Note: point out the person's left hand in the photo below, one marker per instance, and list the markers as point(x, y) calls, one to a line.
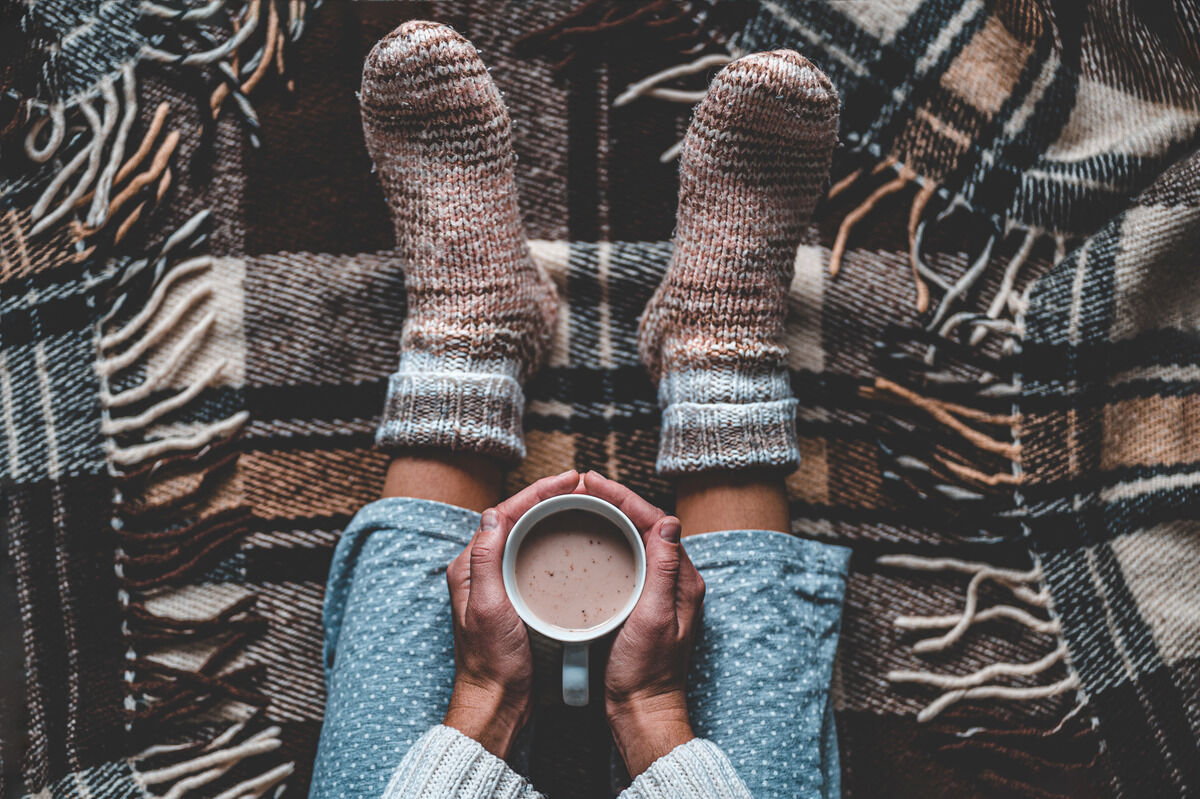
point(493, 666)
point(645, 678)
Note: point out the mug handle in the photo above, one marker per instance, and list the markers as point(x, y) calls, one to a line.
point(575, 674)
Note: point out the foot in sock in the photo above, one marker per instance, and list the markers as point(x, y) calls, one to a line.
point(754, 162)
point(480, 312)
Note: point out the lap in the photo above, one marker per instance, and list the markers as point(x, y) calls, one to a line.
point(759, 686)
point(389, 646)
point(760, 675)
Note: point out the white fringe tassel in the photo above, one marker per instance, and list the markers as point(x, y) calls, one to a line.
point(978, 684)
point(215, 54)
point(103, 162)
point(98, 213)
point(56, 116)
point(91, 153)
point(161, 326)
point(648, 87)
point(652, 87)
point(213, 762)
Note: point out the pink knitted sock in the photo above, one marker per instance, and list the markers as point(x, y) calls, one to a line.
point(480, 312)
point(753, 165)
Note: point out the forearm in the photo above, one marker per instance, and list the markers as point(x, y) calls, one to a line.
point(646, 729)
point(486, 715)
point(663, 754)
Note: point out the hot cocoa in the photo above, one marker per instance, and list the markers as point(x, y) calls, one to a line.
point(575, 570)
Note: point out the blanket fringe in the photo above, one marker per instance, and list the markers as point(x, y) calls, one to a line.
point(100, 163)
point(980, 684)
point(950, 442)
point(92, 163)
point(1015, 760)
point(185, 644)
point(211, 762)
point(651, 86)
point(1005, 302)
point(101, 155)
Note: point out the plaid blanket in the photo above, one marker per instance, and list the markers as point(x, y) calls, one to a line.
point(1036, 125)
point(1111, 493)
point(189, 406)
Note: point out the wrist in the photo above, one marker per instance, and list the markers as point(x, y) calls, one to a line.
point(488, 714)
point(647, 728)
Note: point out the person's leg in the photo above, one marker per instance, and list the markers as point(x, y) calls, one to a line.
point(753, 164)
point(454, 478)
point(750, 499)
point(478, 322)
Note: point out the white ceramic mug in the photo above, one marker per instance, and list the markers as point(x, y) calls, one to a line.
point(574, 641)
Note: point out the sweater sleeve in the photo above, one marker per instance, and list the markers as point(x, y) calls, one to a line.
point(697, 769)
point(445, 764)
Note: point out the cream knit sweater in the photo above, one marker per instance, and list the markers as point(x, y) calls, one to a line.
point(445, 764)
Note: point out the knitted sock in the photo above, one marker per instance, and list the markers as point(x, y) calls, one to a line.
point(480, 312)
point(753, 165)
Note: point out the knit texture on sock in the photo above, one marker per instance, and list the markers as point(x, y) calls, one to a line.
point(753, 165)
point(480, 312)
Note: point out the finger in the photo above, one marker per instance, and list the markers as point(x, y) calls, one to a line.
point(487, 552)
point(640, 512)
point(663, 560)
point(458, 580)
point(690, 602)
point(515, 506)
point(691, 583)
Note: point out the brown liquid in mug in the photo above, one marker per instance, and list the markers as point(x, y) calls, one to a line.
point(575, 570)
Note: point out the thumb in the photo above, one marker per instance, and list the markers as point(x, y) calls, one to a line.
point(487, 553)
point(663, 560)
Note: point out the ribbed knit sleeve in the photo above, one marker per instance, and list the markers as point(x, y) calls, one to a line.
point(445, 764)
point(697, 769)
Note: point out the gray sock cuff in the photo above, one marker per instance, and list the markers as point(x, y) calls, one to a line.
point(461, 411)
point(699, 437)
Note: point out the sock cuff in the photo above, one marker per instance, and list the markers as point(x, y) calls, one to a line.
point(698, 437)
point(724, 384)
point(460, 411)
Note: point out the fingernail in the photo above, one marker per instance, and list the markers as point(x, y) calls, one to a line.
point(490, 520)
point(669, 531)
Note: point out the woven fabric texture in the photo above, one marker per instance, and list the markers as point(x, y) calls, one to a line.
point(1009, 464)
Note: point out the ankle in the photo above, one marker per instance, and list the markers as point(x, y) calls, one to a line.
point(749, 499)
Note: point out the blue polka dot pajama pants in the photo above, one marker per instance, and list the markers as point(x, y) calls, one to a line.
point(759, 681)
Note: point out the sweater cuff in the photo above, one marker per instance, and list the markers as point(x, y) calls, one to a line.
point(697, 768)
point(445, 763)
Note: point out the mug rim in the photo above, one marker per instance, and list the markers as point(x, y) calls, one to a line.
point(544, 509)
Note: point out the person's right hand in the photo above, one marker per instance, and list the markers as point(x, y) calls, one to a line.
point(645, 680)
point(493, 667)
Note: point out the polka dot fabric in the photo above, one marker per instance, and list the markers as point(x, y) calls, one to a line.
point(389, 646)
point(759, 680)
point(759, 684)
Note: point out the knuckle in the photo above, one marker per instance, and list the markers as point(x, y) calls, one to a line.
point(667, 567)
point(482, 552)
